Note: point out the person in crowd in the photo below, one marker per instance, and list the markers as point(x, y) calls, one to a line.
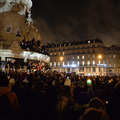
point(96, 103)
point(114, 103)
point(65, 104)
point(52, 95)
point(67, 82)
point(81, 105)
point(94, 114)
point(9, 104)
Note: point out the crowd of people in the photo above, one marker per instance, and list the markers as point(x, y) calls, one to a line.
point(58, 96)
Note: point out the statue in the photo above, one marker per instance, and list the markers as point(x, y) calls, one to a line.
point(20, 6)
point(23, 27)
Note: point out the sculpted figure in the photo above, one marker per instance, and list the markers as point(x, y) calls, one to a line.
point(20, 6)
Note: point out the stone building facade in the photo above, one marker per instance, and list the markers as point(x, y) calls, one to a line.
point(113, 60)
point(88, 57)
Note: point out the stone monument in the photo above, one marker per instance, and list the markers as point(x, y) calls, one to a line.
point(16, 25)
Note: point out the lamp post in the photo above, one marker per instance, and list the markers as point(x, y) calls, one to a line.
point(99, 57)
point(61, 59)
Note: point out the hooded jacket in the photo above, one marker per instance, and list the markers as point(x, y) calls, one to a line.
point(14, 103)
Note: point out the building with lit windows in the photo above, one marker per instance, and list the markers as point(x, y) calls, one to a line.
point(88, 57)
point(113, 60)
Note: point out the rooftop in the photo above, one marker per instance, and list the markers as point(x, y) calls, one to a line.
point(51, 45)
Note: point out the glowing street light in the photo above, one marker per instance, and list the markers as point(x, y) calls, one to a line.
point(99, 56)
point(61, 58)
point(89, 82)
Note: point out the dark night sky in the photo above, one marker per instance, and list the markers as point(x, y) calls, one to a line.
point(69, 20)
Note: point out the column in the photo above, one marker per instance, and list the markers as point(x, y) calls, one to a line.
point(102, 72)
point(65, 69)
point(91, 71)
point(85, 71)
point(97, 71)
point(60, 69)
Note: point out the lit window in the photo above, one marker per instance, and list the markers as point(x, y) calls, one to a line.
point(114, 65)
point(83, 63)
point(93, 56)
point(88, 56)
point(8, 29)
point(51, 64)
point(63, 53)
point(103, 62)
point(73, 62)
point(83, 56)
point(78, 63)
point(54, 64)
point(93, 62)
point(68, 63)
point(88, 62)
point(58, 63)
point(88, 41)
point(73, 57)
point(99, 62)
point(114, 56)
point(78, 57)
point(63, 63)
point(51, 54)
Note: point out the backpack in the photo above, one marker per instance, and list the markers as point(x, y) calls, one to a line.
point(5, 107)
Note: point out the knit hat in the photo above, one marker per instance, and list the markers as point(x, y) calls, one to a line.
point(12, 82)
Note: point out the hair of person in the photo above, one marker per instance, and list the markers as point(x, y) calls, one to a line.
point(94, 114)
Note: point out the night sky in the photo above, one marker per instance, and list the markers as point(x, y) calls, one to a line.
point(72, 20)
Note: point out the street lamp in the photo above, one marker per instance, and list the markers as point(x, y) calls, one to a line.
point(99, 56)
point(61, 58)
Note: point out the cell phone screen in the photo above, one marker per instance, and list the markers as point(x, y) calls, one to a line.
point(89, 82)
point(67, 77)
